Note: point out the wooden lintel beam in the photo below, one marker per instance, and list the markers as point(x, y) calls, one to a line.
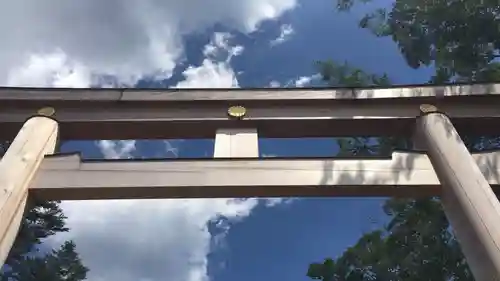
point(405, 175)
point(473, 115)
point(237, 94)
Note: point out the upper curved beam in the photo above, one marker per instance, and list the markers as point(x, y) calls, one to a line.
point(167, 113)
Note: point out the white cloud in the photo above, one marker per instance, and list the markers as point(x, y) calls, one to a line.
point(271, 202)
point(274, 84)
point(306, 80)
point(116, 149)
point(73, 42)
point(209, 75)
point(171, 149)
point(300, 82)
point(148, 239)
point(215, 71)
point(286, 31)
point(51, 70)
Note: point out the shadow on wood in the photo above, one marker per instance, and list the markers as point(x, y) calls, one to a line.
point(67, 177)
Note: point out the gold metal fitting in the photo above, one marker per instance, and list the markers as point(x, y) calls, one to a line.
point(237, 111)
point(428, 108)
point(46, 111)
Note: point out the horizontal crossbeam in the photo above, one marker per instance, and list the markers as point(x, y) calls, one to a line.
point(66, 177)
point(170, 114)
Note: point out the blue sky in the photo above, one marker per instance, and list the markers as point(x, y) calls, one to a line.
point(246, 241)
point(279, 243)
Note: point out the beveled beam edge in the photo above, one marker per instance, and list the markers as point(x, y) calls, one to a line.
point(239, 94)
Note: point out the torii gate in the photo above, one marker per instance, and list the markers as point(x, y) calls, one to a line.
point(39, 117)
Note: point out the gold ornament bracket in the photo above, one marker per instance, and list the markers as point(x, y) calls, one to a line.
point(237, 112)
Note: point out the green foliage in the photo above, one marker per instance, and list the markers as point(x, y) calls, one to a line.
point(348, 76)
point(460, 38)
point(26, 262)
point(415, 245)
point(62, 264)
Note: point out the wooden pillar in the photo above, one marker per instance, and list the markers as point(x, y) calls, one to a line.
point(469, 202)
point(37, 137)
point(236, 143)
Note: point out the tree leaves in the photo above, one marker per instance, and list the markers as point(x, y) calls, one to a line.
point(460, 38)
point(62, 264)
point(322, 271)
point(348, 76)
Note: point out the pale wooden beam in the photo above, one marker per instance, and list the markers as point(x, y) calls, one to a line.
point(18, 166)
point(158, 120)
point(238, 94)
point(165, 114)
point(469, 202)
point(232, 143)
point(405, 174)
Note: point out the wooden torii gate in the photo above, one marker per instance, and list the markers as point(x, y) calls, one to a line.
point(37, 118)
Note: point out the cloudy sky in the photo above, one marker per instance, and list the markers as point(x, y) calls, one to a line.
point(197, 43)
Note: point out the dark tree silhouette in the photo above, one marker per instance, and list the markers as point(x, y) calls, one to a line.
point(26, 261)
